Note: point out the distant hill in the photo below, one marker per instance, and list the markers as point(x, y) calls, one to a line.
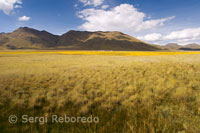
point(28, 38)
point(192, 46)
point(174, 46)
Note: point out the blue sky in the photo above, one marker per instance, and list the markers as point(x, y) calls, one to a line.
point(154, 21)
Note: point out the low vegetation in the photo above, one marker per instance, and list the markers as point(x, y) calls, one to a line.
point(128, 93)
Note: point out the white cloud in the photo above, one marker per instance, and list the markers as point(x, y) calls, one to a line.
point(104, 6)
point(76, 5)
point(125, 18)
point(151, 37)
point(18, 6)
point(183, 36)
point(92, 2)
point(189, 34)
point(24, 18)
point(8, 5)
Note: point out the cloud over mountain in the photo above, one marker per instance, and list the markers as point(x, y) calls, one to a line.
point(182, 36)
point(24, 18)
point(125, 18)
point(151, 37)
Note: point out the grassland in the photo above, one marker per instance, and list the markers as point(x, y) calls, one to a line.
point(128, 93)
point(112, 53)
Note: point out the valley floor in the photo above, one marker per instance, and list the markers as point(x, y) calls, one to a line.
point(111, 53)
point(127, 93)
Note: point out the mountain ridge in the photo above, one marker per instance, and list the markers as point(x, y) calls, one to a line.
point(29, 38)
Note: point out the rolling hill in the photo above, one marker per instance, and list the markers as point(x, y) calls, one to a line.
point(192, 46)
point(28, 38)
point(174, 46)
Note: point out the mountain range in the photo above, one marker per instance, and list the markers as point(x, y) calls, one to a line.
point(29, 38)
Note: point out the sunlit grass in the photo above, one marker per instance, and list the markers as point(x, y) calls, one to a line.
point(138, 94)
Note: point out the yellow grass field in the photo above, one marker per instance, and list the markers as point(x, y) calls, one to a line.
point(117, 53)
point(129, 93)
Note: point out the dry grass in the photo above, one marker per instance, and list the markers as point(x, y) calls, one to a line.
point(128, 94)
